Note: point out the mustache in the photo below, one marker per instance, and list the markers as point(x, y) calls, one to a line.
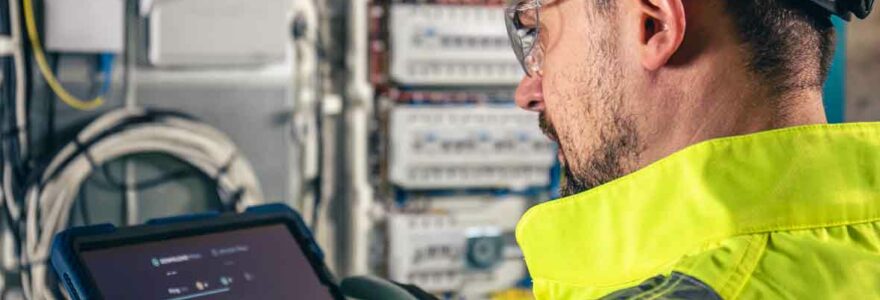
point(547, 127)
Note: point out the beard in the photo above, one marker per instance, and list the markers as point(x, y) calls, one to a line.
point(597, 137)
point(606, 161)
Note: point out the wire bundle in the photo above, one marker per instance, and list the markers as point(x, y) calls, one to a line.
point(49, 199)
point(14, 143)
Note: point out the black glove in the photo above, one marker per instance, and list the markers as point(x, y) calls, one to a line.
point(373, 288)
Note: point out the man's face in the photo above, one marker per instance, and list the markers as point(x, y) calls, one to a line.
point(580, 94)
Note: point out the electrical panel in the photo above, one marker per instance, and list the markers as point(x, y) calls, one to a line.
point(91, 26)
point(198, 33)
point(427, 251)
point(436, 44)
point(457, 250)
point(468, 147)
point(455, 162)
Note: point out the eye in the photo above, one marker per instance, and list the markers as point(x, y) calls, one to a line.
point(527, 18)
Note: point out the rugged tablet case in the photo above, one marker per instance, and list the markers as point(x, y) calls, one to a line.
point(74, 275)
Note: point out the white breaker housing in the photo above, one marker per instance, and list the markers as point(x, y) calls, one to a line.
point(451, 45)
point(454, 147)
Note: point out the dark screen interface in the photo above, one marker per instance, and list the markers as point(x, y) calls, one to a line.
point(263, 262)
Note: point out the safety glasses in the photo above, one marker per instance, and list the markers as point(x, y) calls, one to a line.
point(522, 19)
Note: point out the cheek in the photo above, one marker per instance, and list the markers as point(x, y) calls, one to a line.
point(579, 101)
point(568, 107)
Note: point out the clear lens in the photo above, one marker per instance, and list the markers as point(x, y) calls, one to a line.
point(524, 39)
point(534, 60)
point(513, 33)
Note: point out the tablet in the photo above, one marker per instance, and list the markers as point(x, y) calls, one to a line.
point(264, 253)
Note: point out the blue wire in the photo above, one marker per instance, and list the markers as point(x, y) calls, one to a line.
point(105, 67)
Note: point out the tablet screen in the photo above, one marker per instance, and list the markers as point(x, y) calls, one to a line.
point(263, 262)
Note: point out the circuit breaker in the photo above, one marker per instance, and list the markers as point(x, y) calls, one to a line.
point(461, 249)
point(435, 44)
point(468, 147)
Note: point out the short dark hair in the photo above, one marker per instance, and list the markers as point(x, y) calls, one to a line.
point(789, 44)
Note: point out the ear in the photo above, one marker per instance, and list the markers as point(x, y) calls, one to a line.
point(662, 31)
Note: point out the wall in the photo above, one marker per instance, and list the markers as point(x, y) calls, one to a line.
point(863, 70)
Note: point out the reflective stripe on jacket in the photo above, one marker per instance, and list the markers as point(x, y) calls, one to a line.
point(784, 214)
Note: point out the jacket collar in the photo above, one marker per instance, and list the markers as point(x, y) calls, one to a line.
point(641, 224)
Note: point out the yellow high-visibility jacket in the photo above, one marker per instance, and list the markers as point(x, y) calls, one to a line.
point(784, 214)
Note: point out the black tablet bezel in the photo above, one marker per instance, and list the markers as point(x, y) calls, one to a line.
point(226, 222)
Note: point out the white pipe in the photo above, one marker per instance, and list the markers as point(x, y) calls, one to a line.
point(131, 38)
point(358, 118)
point(132, 33)
point(131, 193)
point(305, 100)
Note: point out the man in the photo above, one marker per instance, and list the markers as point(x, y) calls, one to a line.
point(698, 164)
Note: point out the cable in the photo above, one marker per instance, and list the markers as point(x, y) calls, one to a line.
point(105, 71)
point(83, 207)
point(14, 140)
point(101, 77)
point(114, 135)
point(18, 61)
point(43, 65)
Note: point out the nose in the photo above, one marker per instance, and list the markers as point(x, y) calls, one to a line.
point(530, 94)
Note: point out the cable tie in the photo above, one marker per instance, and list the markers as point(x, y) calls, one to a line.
point(80, 147)
point(235, 199)
point(30, 263)
point(224, 169)
point(12, 132)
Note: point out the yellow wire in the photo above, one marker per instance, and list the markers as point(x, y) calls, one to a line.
point(40, 56)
